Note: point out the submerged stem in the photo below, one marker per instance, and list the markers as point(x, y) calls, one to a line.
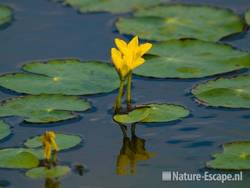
point(119, 97)
point(128, 96)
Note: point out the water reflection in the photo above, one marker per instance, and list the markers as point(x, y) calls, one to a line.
point(133, 150)
point(52, 183)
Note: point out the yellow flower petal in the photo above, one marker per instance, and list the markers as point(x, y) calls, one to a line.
point(121, 45)
point(54, 145)
point(49, 142)
point(133, 44)
point(124, 71)
point(137, 63)
point(47, 150)
point(144, 48)
point(116, 58)
point(118, 61)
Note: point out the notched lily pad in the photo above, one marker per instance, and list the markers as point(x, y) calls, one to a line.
point(64, 141)
point(4, 130)
point(153, 113)
point(43, 172)
point(247, 16)
point(5, 14)
point(68, 77)
point(113, 6)
point(224, 92)
point(192, 59)
point(162, 23)
point(235, 156)
point(43, 108)
point(133, 116)
point(17, 158)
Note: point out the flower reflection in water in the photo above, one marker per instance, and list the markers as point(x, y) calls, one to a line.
point(52, 183)
point(132, 151)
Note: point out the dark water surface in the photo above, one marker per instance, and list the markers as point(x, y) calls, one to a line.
point(44, 30)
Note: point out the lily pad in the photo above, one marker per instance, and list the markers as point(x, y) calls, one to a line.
point(64, 141)
point(153, 113)
point(69, 77)
point(247, 16)
point(5, 14)
point(133, 116)
point(43, 172)
point(43, 108)
point(113, 6)
point(4, 130)
point(192, 59)
point(235, 156)
point(17, 158)
point(162, 23)
point(225, 92)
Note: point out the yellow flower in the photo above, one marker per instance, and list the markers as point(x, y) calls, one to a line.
point(128, 56)
point(49, 144)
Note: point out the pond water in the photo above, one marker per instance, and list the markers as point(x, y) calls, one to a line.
point(44, 30)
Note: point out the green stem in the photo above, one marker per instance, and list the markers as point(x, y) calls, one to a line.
point(129, 96)
point(133, 127)
point(119, 97)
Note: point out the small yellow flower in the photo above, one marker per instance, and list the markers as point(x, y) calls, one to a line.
point(49, 144)
point(128, 56)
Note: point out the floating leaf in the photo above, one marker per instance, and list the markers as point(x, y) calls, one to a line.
point(43, 172)
point(69, 77)
point(64, 141)
point(163, 23)
point(165, 112)
point(133, 116)
point(43, 108)
point(235, 156)
point(17, 158)
point(247, 16)
point(4, 130)
point(114, 6)
point(153, 113)
point(192, 59)
point(225, 92)
point(5, 14)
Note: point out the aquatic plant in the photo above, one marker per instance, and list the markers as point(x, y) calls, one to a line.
point(5, 14)
point(113, 6)
point(178, 21)
point(126, 58)
point(49, 146)
point(153, 113)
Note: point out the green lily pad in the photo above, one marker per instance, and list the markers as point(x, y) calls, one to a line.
point(162, 23)
point(4, 130)
point(235, 156)
point(192, 59)
point(5, 14)
point(247, 16)
point(64, 141)
point(133, 116)
point(69, 77)
point(43, 172)
point(225, 92)
point(17, 158)
point(113, 6)
point(153, 113)
point(43, 108)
